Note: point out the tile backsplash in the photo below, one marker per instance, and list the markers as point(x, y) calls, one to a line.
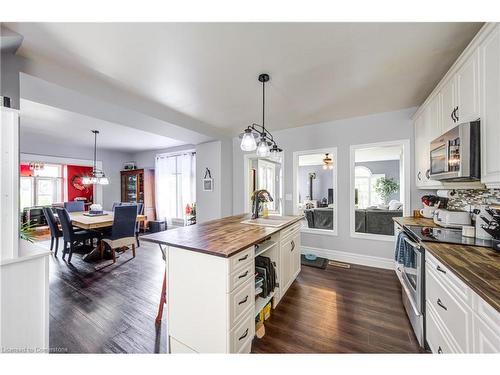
point(463, 198)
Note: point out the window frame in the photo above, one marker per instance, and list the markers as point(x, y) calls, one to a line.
point(295, 197)
point(404, 179)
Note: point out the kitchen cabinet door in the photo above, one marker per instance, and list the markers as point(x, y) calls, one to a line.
point(448, 105)
point(420, 142)
point(285, 265)
point(295, 256)
point(490, 109)
point(467, 90)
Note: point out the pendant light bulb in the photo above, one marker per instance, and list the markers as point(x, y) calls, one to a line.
point(262, 148)
point(248, 141)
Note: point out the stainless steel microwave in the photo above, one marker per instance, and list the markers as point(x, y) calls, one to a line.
point(456, 155)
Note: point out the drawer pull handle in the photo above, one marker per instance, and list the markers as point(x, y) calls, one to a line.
point(441, 270)
point(440, 351)
point(242, 259)
point(440, 304)
point(244, 335)
point(243, 301)
point(243, 275)
point(293, 245)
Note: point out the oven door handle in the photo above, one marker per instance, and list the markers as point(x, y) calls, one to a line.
point(411, 243)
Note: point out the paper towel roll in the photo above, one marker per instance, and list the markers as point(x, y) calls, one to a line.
point(446, 193)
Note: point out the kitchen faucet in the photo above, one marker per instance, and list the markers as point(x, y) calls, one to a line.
point(258, 197)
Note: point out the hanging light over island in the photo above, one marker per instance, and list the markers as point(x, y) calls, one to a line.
point(97, 177)
point(257, 137)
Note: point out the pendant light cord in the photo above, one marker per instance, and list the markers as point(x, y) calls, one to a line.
point(263, 106)
point(95, 147)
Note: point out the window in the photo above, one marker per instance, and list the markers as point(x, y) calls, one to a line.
point(264, 173)
point(315, 190)
point(41, 187)
point(365, 182)
point(175, 183)
point(379, 188)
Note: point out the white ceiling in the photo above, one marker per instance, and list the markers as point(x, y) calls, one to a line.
point(319, 72)
point(74, 129)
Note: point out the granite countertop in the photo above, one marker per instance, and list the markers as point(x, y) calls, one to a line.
point(222, 237)
point(478, 267)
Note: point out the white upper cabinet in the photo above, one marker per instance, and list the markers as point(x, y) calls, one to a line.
point(489, 52)
point(467, 90)
point(470, 91)
point(448, 105)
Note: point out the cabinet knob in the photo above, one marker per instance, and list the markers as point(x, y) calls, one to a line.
point(428, 173)
point(243, 300)
point(440, 269)
point(419, 176)
point(241, 259)
point(243, 275)
point(293, 245)
point(440, 304)
point(440, 351)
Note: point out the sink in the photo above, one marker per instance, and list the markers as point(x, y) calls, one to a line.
point(272, 221)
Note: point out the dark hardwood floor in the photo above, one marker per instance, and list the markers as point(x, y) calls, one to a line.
point(112, 310)
point(337, 310)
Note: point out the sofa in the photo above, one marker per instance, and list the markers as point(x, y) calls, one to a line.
point(319, 218)
point(375, 221)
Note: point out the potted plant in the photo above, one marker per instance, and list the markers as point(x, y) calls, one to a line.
point(385, 187)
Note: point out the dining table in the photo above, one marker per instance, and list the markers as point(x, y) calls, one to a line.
point(84, 220)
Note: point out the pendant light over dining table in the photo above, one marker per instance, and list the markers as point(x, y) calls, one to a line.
point(257, 137)
point(97, 177)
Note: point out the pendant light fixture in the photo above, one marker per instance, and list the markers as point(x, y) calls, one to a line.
point(327, 162)
point(97, 177)
point(257, 137)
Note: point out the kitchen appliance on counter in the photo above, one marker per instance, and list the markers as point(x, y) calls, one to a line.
point(490, 224)
point(451, 219)
point(431, 204)
point(445, 235)
point(456, 155)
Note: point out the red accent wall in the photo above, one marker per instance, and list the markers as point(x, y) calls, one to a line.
point(75, 174)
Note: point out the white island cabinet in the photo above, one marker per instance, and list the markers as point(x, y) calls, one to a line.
point(211, 300)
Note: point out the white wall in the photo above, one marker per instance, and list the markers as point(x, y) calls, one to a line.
point(340, 134)
point(208, 203)
point(146, 159)
point(112, 161)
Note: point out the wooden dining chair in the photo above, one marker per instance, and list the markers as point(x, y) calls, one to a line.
point(122, 232)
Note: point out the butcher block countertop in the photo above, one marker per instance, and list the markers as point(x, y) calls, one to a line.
point(222, 237)
point(478, 267)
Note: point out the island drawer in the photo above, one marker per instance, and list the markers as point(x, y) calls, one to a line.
point(240, 300)
point(241, 259)
point(241, 336)
point(241, 275)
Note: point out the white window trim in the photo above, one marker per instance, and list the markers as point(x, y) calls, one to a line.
point(98, 196)
point(246, 194)
point(295, 198)
point(405, 173)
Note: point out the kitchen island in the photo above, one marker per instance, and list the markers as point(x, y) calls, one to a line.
point(211, 301)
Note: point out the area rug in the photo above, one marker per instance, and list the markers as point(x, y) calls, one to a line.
point(317, 263)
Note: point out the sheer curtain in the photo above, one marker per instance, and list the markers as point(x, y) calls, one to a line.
point(175, 185)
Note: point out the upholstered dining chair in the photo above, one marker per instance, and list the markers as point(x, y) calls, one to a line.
point(55, 231)
point(140, 208)
point(122, 231)
point(74, 206)
point(71, 236)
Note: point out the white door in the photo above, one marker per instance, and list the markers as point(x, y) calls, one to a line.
point(490, 117)
point(448, 105)
point(467, 99)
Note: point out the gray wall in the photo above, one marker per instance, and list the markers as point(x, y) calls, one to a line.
point(112, 161)
point(388, 167)
point(323, 182)
point(341, 134)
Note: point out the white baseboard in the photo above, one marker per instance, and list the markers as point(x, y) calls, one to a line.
point(342, 256)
